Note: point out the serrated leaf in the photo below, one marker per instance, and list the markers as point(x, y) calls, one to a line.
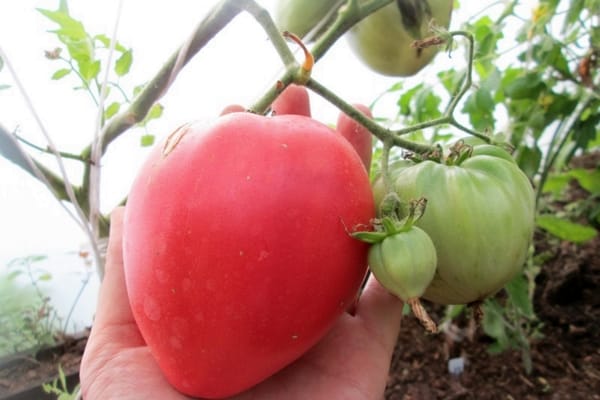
point(70, 28)
point(61, 73)
point(147, 140)
point(123, 63)
point(89, 70)
point(566, 230)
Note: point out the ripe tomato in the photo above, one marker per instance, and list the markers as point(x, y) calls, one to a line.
point(480, 216)
point(236, 247)
point(383, 39)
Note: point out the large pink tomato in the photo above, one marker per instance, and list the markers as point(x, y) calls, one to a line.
point(237, 250)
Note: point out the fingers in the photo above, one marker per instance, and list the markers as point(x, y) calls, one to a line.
point(113, 305)
point(357, 135)
point(293, 100)
point(233, 108)
point(381, 311)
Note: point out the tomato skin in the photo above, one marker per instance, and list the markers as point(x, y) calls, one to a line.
point(357, 135)
point(384, 44)
point(237, 256)
point(300, 16)
point(480, 216)
point(404, 263)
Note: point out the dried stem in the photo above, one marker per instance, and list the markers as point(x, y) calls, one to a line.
point(422, 315)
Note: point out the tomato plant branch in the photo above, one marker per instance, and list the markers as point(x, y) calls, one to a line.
point(348, 15)
point(212, 24)
point(383, 134)
point(47, 150)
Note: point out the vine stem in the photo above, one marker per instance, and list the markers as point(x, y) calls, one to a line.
point(383, 134)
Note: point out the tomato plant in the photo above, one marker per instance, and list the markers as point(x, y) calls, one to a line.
point(236, 246)
point(383, 40)
point(360, 137)
point(480, 216)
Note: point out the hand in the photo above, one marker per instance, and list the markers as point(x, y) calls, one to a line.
point(351, 362)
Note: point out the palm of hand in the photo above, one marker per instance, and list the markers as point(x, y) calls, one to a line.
point(351, 362)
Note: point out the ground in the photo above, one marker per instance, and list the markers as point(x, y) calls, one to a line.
point(565, 359)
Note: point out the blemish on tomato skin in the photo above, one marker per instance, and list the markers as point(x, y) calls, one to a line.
point(152, 309)
point(174, 138)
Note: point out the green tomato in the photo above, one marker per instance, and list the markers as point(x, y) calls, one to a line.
point(383, 39)
point(301, 16)
point(480, 216)
point(404, 263)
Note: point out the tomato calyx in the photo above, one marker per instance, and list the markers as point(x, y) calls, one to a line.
point(390, 224)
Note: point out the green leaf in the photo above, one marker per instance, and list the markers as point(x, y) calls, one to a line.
point(587, 179)
point(105, 41)
point(564, 229)
point(89, 70)
point(147, 140)
point(518, 292)
point(123, 63)
point(527, 86)
point(480, 107)
point(61, 73)
point(111, 110)
point(70, 28)
point(556, 183)
point(493, 324)
point(155, 112)
point(529, 159)
point(404, 101)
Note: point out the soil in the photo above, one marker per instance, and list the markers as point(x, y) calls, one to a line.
point(565, 354)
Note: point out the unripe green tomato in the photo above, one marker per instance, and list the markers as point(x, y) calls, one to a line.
point(383, 39)
point(404, 263)
point(480, 216)
point(301, 16)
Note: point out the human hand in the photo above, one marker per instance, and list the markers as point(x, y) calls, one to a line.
point(350, 362)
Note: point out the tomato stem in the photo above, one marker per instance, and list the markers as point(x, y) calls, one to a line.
point(422, 315)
